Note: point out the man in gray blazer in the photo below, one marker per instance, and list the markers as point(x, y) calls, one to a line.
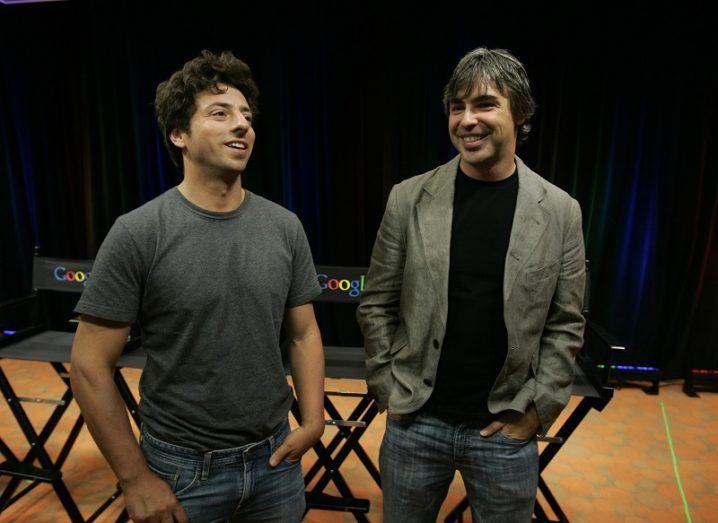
point(471, 312)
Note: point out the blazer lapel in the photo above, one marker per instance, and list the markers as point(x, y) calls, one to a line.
point(530, 222)
point(434, 214)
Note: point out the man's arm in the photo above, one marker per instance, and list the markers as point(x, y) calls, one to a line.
point(561, 339)
point(306, 361)
point(97, 346)
point(562, 336)
point(378, 311)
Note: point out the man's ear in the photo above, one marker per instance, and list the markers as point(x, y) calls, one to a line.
point(517, 126)
point(177, 138)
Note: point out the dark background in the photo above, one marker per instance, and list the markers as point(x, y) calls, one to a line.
point(350, 103)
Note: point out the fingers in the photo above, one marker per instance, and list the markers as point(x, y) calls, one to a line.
point(518, 433)
point(295, 445)
point(492, 428)
point(521, 426)
point(281, 453)
point(150, 500)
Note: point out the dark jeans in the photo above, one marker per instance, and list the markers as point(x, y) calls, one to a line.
point(236, 484)
point(420, 455)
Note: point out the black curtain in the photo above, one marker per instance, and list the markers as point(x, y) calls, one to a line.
point(350, 104)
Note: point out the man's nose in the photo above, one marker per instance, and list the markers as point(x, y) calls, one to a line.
point(468, 118)
point(240, 122)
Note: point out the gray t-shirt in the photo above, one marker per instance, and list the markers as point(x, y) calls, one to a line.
point(209, 290)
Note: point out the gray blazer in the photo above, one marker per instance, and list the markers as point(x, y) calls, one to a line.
point(402, 313)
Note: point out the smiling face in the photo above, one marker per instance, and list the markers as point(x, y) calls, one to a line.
point(483, 130)
point(220, 137)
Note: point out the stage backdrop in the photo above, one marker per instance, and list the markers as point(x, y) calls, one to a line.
point(350, 104)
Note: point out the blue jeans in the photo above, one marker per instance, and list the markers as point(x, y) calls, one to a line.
point(419, 456)
point(236, 483)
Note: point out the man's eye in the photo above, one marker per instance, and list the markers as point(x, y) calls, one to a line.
point(219, 113)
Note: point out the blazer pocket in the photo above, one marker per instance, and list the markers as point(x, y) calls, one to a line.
point(544, 273)
point(541, 285)
point(395, 348)
point(400, 339)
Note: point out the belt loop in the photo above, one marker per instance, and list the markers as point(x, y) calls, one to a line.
point(205, 465)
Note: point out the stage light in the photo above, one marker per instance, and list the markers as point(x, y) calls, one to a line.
point(639, 368)
point(701, 380)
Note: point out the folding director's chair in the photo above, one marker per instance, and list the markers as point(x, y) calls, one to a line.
point(341, 286)
point(32, 330)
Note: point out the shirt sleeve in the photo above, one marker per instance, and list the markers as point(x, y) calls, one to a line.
point(305, 286)
point(114, 289)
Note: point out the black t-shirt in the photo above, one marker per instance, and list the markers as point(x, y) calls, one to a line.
point(475, 343)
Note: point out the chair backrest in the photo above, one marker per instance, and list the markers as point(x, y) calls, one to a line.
point(58, 274)
point(57, 283)
point(340, 284)
point(335, 307)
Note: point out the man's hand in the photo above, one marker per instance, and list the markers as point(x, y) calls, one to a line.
point(149, 499)
point(515, 425)
point(297, 443)
point(306, 360)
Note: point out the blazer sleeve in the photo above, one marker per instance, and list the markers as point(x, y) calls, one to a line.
point(378, 311)
point(563, 332)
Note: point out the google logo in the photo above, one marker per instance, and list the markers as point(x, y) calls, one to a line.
point(62, 274)
point(354, 287)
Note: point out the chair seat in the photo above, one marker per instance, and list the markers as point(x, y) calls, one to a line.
point(46, 346)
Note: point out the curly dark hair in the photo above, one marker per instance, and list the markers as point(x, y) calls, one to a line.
point(505, 71)
point(175, 100)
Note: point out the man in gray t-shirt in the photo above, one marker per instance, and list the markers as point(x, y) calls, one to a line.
point(210, 271)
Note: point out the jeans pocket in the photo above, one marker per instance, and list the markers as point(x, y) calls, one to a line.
point(180, 479)
point(179, 474)
point(512, 441)
point(169, 477)
point(291, 463)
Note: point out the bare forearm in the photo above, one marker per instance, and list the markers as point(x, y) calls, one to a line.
point(306, 359)
point(106, 418)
